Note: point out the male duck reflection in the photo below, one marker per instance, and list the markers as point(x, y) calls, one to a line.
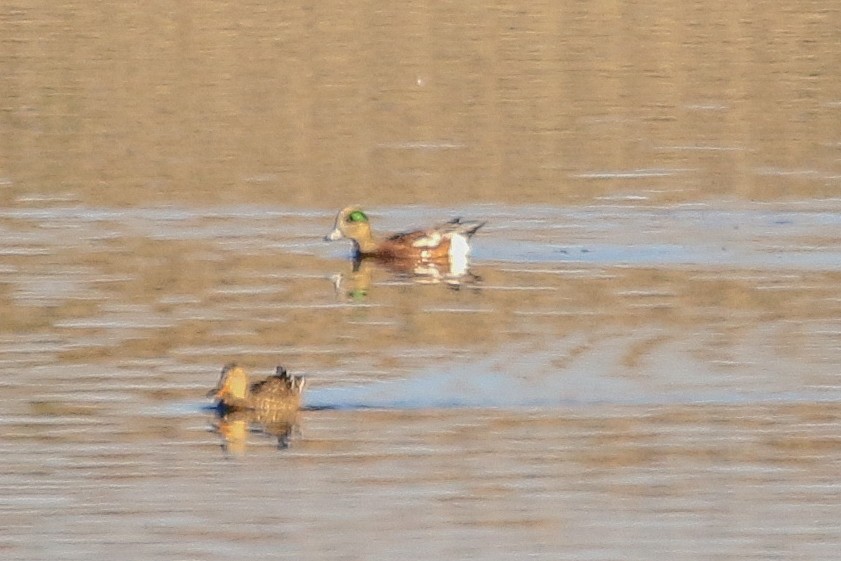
point(444, 242)
point(278, 393)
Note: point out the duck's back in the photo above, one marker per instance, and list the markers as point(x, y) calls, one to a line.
point(280, 391)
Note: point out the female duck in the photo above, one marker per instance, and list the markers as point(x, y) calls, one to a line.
point(280, 392)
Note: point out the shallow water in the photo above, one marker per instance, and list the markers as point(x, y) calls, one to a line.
point(665, 377)
point(643, 364)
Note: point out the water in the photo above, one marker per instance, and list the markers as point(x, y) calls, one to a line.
point(616, 374)
point(644, 363)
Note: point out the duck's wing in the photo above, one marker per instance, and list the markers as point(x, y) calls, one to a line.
point(407, 238)
point(273, 385)
point(279, 384)
point(459, 226)
point(433, 237)
point(435, 240)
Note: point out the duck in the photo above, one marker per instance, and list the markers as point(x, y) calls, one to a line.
point(277, 393)
point(449, 241)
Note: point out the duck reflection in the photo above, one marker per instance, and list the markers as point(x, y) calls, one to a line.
point(269, 406)
point(356, 283)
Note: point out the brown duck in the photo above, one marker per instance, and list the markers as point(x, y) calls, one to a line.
point(278, 393)
point(444, 242)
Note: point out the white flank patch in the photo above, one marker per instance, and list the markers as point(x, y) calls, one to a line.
point(458, 253)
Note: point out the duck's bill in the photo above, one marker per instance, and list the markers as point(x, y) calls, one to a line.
point(333, 236)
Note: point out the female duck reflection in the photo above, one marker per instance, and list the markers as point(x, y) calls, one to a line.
point(429, 255)
point(271, 404)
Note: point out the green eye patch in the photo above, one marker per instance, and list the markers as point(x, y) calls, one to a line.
point(357, 216)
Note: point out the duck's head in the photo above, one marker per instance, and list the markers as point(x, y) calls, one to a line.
point(232, 385)
point(351, 223)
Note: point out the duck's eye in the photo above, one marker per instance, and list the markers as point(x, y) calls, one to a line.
point(357, 216)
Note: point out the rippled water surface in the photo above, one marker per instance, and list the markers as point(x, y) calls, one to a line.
point(665, 377)
point(643, 363)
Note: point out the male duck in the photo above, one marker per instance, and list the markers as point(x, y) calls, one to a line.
point(448, 241)
point(280, 392)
